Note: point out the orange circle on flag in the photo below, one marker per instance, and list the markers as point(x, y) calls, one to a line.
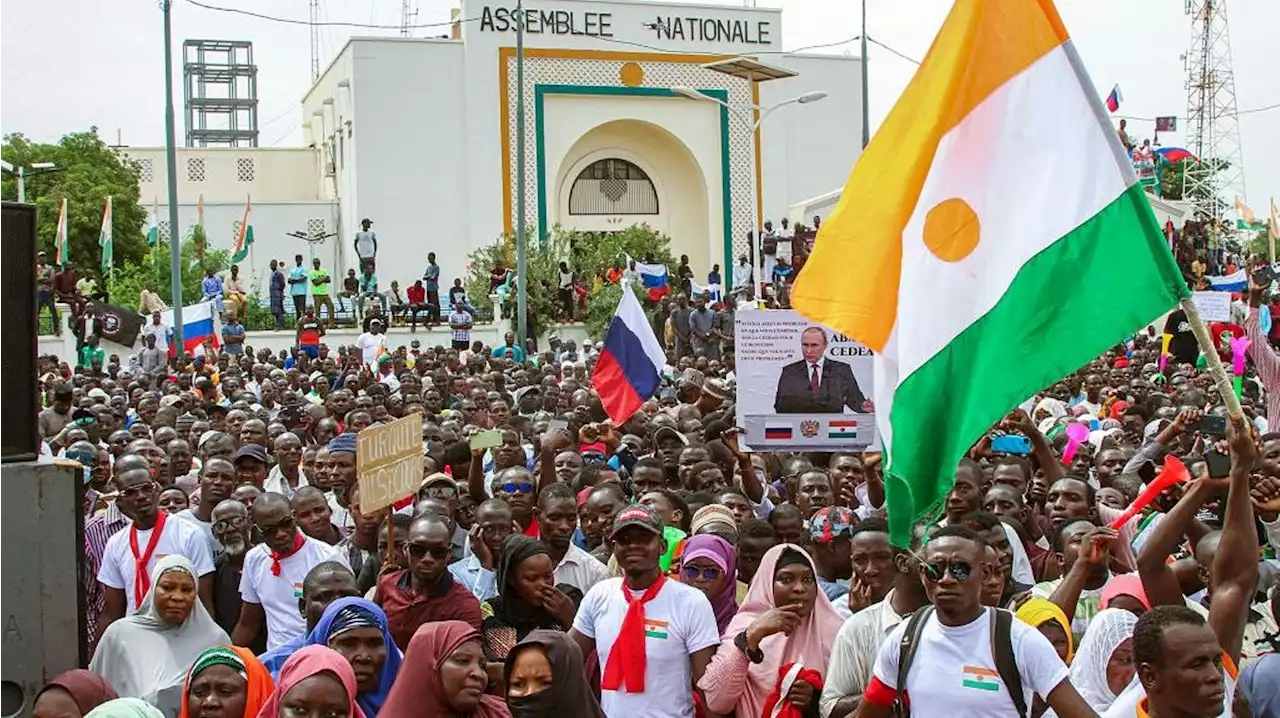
point(951, 230)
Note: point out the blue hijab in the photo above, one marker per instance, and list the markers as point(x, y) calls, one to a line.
point(347, 613)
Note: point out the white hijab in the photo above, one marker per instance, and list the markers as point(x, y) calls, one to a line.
point(1108, 629)
point(144, 656)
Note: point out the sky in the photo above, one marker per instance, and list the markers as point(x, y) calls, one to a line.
point(70, 64)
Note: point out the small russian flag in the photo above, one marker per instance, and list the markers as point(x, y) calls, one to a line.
point(777, 431)
point(197, 325)
point(1114, 99)
point(629, 368)
point(654, 278)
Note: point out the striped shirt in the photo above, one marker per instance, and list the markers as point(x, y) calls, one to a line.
point(96, 532)
point(1267, 364)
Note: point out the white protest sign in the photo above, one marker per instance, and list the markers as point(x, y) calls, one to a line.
point(389, 462)
point(1213, 306)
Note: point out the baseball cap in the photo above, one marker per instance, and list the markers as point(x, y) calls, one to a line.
point(439, 478)
point(251, 451)
point(831, 523)
point(637, 515)
point(667, 432)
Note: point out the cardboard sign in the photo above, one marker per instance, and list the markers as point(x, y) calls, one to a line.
point(389, 462)
point(1213, 306)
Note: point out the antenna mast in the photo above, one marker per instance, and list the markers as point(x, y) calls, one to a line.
point(1213, 126)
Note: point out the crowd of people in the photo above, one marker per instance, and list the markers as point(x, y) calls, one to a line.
point(554, 563)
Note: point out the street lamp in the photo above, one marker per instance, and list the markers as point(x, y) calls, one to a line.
point(21, 172)
point(751, 116)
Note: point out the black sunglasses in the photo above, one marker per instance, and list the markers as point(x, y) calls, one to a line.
point(418, 551)
point(960, 570)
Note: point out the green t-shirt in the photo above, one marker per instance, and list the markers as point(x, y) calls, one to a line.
point(673, 536)
point(319, 290)
point(89, 353)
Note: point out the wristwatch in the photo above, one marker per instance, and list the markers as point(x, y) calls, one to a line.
point(740, 640)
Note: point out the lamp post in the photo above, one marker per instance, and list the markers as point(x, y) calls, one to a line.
point(522, 239)
point(21, 173)
point(171, 166)
point(751, 116)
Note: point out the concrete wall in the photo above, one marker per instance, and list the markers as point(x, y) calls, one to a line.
point(229, 174)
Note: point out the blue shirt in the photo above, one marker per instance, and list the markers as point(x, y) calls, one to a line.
point(368, 283)
point(432, 277)
point(211, 286)
point(229, 330)
point(517, 352)
point(480, 581)
point(298, 288)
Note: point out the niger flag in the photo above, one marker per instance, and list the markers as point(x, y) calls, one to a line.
point(994, 191)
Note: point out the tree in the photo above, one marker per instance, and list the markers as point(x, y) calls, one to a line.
point(589, 254)
point(155, 268)
point(90, 171)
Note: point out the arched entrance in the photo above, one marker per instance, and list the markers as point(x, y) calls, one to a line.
point(627, 172)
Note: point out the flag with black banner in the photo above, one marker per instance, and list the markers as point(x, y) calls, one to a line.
point(118, 324)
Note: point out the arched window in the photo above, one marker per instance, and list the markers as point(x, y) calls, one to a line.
point(612, 186)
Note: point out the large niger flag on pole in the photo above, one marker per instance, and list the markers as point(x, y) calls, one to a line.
point(991, 239)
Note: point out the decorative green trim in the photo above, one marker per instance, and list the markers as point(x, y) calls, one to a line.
point(541, 91)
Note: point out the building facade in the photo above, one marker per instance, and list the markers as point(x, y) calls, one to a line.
point(420, 135)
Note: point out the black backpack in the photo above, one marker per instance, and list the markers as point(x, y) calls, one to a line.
point(1001, 649)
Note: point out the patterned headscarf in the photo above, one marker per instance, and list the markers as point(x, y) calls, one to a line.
point(258, 683)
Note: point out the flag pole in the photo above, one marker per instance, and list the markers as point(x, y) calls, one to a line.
point(1216, 371)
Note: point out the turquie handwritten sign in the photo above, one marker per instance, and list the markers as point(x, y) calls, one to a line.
point(389, 462)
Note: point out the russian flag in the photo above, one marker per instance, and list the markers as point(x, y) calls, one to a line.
point(197, 325)
point(654, 278)
point(1114, 99)
point(629, 368)
point(1230, 283)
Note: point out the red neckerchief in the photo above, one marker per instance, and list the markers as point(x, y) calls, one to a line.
point(142, 576)
point(298, 540)
point(628, 660)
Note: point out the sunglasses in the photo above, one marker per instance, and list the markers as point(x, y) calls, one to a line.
point(440, 492)
point(522, 487)
point(708, 574)
point(134, 492)
point(418, 551)
point(233, 523)
point(960, 570)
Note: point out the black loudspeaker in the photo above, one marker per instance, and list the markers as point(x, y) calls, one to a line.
point(20, 438)
point(42, 525)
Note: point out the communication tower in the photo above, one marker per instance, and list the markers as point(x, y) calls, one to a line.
point(1213, 126)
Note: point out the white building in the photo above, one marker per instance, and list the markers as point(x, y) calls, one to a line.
point(419, 135)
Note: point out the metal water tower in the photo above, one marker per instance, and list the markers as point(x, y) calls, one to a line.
point(220, 93)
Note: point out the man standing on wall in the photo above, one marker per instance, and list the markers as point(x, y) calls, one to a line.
point(431, 279)
point(320, 289)
point(277, 294)
point(298, 286)
point(366, 242)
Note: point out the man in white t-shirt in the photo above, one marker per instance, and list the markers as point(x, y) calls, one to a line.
point(373, 342)
point(954, 671)
point(274, 572)
point(678, 628)
point(150, 535)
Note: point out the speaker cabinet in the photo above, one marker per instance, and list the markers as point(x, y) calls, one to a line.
point(19, 439)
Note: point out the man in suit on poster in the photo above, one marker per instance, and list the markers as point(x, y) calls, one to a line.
point(815, 384)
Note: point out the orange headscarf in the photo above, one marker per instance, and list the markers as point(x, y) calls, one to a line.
point(259, 686)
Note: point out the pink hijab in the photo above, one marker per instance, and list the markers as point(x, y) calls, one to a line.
point(306, 663)
point(809, 644)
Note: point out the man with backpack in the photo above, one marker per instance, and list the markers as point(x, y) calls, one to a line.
point(960, 658)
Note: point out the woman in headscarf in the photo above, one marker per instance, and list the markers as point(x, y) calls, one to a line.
point(147, 655)
point(527, 597)
point(227, 682)
point(1104, 666)
point(1047, 413)
point(785, 620)
point(125, 708)
point(544, 677)
point(710, 564)
point(444, 674)
point(357, 629)
point(1045, 616)
point(1125, 591)
point(314, 681)
point(72, 693)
